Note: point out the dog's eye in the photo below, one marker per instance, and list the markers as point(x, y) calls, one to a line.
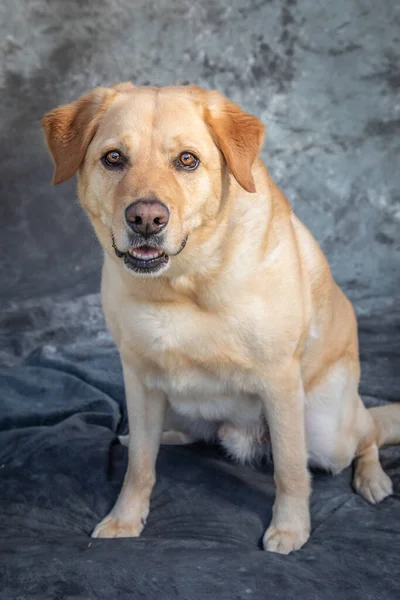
point(187, 161)
point(113, 159)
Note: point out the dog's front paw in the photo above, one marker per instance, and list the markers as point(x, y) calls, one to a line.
point(113, 527)
point(284, 541)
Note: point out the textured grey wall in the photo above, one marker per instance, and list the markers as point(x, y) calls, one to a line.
point(323, 76)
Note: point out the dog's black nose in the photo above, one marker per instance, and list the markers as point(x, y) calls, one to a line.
point(147, 216)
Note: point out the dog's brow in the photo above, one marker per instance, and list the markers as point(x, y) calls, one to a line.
point(111, 142)
point(181, 141)
point(114, 143)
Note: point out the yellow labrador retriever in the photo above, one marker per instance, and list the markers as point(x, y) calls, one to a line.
point(227, 319)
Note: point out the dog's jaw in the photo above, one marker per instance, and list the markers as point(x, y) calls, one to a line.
point(145, 259)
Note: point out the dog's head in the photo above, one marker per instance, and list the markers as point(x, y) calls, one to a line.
point(154, 165)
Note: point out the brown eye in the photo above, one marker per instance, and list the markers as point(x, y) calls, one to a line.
point(113, 159)
point(188, 161)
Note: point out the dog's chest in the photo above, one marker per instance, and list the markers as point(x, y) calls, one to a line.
point(204, 362)
point(176, 337)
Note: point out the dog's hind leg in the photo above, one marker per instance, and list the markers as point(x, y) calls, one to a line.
point(341, 429)
point(177, 438)
point(370, 480)
point(180, 430)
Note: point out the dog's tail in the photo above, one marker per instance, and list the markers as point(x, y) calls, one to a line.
point(387, 421)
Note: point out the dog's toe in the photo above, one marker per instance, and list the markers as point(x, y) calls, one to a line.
point(111, 527)
point(282, 541)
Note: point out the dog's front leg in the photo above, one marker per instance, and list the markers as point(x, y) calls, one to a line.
point(284, 407)
point(146, 414)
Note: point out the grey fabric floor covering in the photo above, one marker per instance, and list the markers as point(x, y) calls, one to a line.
point(324, 78)
point(61, 467)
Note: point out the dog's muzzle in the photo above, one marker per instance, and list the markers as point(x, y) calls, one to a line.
point(145, 258)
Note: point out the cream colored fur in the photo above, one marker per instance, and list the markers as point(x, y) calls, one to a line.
point(244, 325)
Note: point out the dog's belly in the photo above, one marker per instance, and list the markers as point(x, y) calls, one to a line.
point(198, 395)
point(239, 410)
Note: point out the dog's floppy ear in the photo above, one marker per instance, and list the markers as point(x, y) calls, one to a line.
point(238, 134)
point(69, 130)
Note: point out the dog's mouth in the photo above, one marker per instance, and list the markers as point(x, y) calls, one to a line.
point(145, 259)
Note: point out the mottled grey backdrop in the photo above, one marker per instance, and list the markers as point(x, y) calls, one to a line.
point(323, 76)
